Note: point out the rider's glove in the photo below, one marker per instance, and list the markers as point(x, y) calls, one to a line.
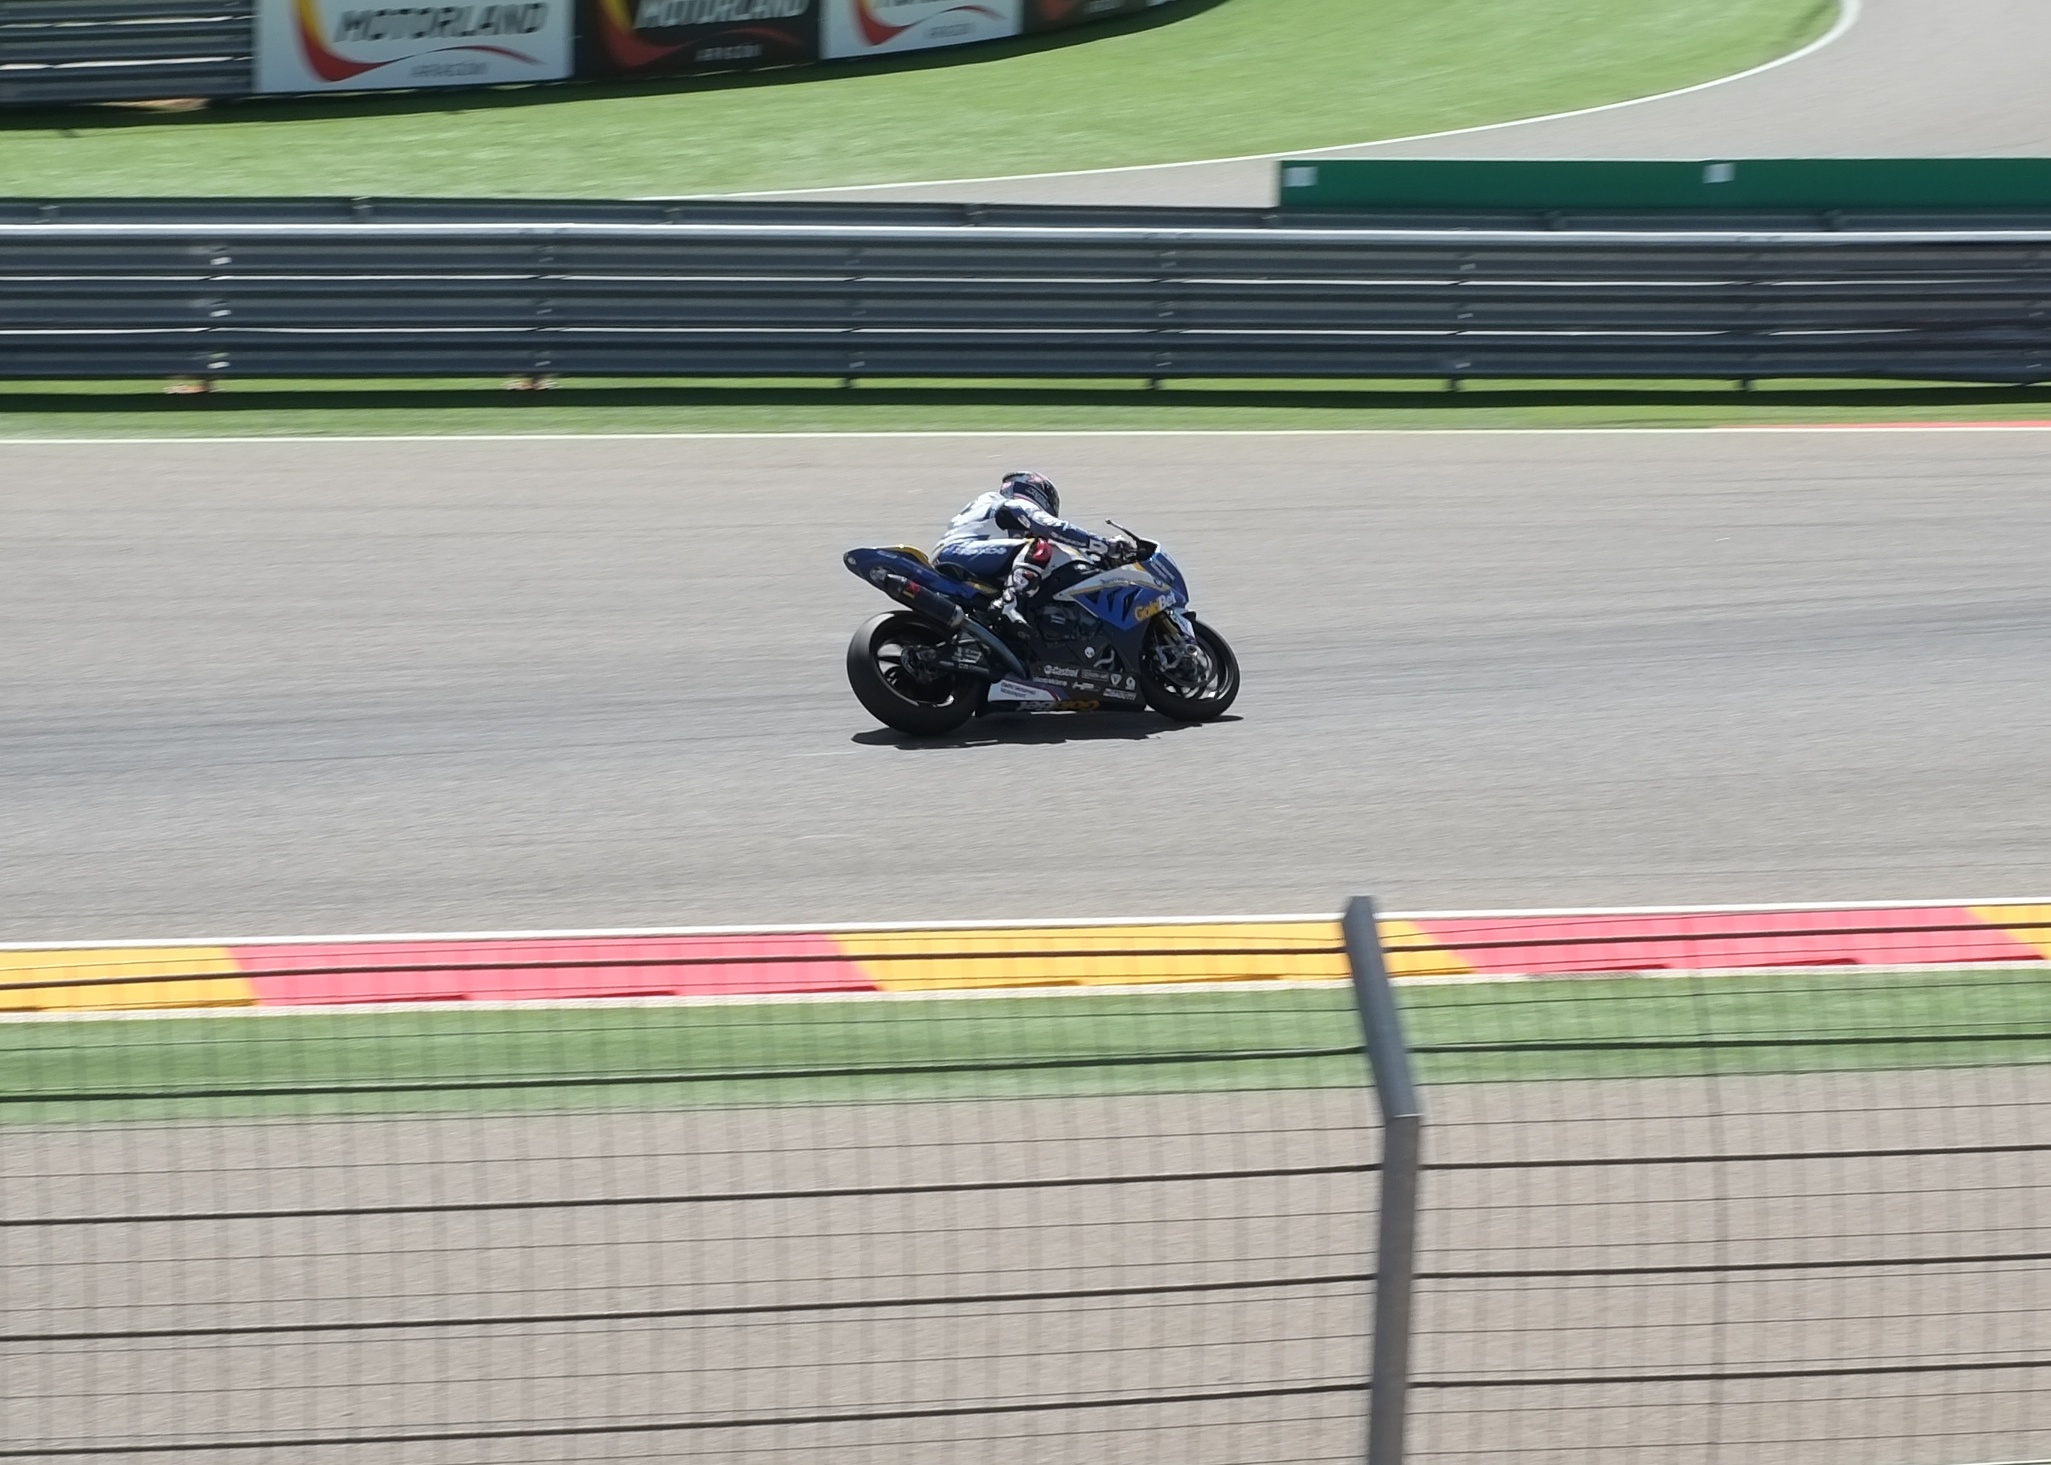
point(1120, 549)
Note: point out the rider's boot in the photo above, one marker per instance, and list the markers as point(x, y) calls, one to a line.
point(1012, 604)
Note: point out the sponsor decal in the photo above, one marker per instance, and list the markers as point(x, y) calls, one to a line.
point(1011, 691)
point(647, 37)
point(345, 45)
point(878, 27)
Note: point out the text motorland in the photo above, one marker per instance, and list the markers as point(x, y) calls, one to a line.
point(654, 15)
point(307, 46)
point(439, 22)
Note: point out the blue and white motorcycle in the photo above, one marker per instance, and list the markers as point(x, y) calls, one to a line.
point(1099, 637)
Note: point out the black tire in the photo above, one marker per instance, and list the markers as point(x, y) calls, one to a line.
point(1184, 686)
point(891, 693)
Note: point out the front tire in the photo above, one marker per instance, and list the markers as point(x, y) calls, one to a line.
point(898, 694)
point(1190, 681)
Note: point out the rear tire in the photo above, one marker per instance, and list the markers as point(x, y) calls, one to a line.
point(894, 693)
point(1189, 684)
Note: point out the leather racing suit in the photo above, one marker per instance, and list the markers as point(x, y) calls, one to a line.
point(984, 538)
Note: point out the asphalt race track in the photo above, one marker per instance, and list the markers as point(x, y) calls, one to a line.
point(302, 687)
point(1911, 78)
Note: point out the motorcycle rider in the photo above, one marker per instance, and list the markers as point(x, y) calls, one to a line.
point(984, 541)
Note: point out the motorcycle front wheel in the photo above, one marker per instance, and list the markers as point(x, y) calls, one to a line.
point(1191, 679)
point(884, 666)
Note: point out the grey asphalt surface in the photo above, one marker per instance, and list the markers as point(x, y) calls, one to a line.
point(1913, 78)
point(1837, 1263)
point(299, 688)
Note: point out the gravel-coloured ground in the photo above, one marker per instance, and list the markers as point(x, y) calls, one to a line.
point(684, 1267)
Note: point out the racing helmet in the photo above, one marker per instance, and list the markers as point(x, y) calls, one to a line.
point(1034, 486)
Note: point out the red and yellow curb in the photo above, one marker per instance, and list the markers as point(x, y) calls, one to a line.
point(84, 979)
point(714, 964)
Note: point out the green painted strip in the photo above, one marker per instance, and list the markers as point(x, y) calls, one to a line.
point(1711, 184)
point(509, 1060)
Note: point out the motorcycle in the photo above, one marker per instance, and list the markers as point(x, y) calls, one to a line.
point(1099, 636)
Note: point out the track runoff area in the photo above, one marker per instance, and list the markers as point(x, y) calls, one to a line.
point(1810, 967)
point(715, 1166)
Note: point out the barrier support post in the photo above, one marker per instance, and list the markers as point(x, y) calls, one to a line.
point(1395, 1086)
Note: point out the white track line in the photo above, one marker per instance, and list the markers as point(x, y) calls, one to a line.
point(1035, 923)
point(1848, 15)
point(1012, 434)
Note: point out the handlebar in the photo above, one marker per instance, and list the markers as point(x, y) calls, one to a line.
point(1144, 549)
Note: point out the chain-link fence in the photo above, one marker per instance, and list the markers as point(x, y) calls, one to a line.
point(1797, 1214)
point(1746, 1188)
point(1007, 1225)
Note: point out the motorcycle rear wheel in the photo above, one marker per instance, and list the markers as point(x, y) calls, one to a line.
point(1188, 683)
point(897, 695)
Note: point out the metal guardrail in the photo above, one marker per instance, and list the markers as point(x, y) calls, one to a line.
point(61, 51)
point(732, 290)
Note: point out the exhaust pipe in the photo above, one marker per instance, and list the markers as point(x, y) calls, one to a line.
point(944, 611)
point(1004, 654)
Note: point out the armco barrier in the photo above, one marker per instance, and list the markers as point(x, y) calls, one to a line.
point(57, 51)
point(850, 295)
point(1730, 1186)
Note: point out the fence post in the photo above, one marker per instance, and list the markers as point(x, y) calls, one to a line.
point(1395, 1086)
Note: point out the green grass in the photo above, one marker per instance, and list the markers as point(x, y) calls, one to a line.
point(508, 1060)
point(249, 409)
point(1220, 79)
point(1829, 1020)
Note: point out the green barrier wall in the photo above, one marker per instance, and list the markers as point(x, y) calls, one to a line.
point(1748, 183)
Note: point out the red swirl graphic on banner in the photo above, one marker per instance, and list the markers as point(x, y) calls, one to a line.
point(623, 43)
point(879, 32)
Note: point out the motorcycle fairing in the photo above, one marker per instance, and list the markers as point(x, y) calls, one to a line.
point(1028, 694)
point(912, 582)
point(1085, 670)
point(1055, 688)
point(1128, 597)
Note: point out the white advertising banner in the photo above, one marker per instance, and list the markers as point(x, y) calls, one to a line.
point(879, 27)
point(349, 45)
